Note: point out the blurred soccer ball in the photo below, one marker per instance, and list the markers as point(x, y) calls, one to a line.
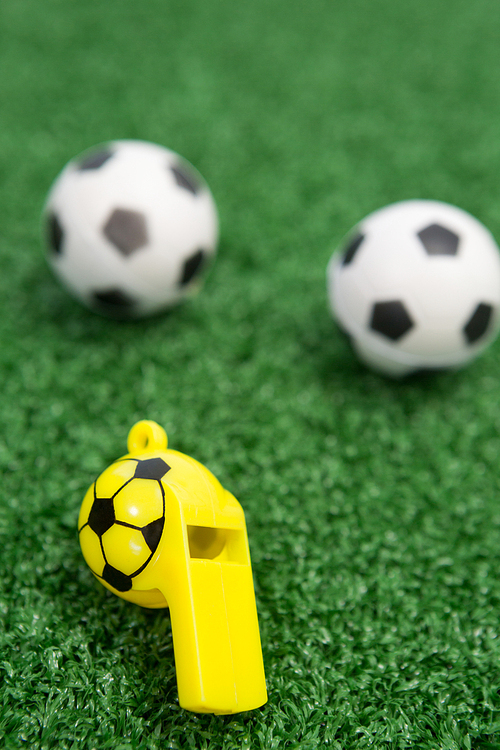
point(130, 228)
point(417, 286)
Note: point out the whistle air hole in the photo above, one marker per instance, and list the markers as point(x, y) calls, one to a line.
point(219, 545)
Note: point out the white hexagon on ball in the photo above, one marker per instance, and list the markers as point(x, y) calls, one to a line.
point(131, 227)
point(416, 286)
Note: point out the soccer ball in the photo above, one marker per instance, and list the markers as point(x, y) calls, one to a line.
point(121, 521)
point(416, 286)
point(130, 228)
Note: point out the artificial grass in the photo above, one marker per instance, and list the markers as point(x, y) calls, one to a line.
point(371, 505)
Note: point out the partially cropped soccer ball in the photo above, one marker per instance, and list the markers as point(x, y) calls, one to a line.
point(121, 520)
point(130, 228)
point(417, 286)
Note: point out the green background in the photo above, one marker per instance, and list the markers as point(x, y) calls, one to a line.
point(372, 506)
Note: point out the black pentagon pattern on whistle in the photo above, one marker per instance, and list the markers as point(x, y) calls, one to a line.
point(352, 248)
point(185, 178)
point(102, 515)
point(192, 267)
point(152, 533)
point(120, 581)
point(55, 234)
point(126, 230)
point(478, 323)
point(390, 319)
point(151, 468)
point(95, 160)
point(113, 302)
point(437, 240)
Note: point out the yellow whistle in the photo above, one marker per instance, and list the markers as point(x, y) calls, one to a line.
point(158, 529)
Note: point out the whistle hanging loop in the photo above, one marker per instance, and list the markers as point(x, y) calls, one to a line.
point(146, 436)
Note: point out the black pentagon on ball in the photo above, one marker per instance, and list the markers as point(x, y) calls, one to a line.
point(192, 267)
point(95, 160)
point(151, 468)
point(390, 319)
point(152, 533)
point(55, 234)
point(352, 248)
point(478, 323)
point(437, 240)
point(126, 230)
point(120, 581)
point(102, 515)
point(113, 302)
point(185, 178)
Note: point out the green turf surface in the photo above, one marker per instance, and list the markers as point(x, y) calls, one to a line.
point(372, 506)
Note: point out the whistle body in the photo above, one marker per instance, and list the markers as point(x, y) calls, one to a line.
point(158, 529)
